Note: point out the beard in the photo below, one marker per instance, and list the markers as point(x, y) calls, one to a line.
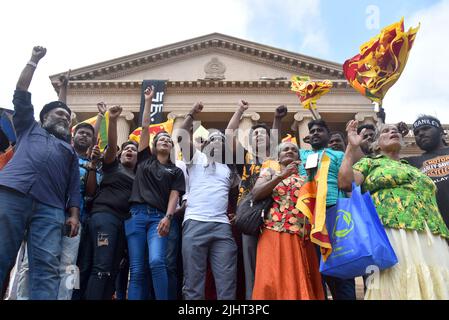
point(58, 129)
point(81, 146)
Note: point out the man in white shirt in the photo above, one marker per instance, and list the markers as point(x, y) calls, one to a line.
point(207, 234)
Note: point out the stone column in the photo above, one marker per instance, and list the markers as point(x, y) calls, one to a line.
point(123, 126)
point(300, 124)
point(73, 119)
point(247, 120)
point(178, 120)
point(366, 118)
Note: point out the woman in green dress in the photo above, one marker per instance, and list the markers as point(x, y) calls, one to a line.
point(406, 204)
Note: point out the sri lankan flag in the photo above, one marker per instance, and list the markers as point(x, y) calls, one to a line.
point(380, 62)
point(312, 203)
point(309, 91)
point(289, 138)
point(102, 138)
point(153, 130)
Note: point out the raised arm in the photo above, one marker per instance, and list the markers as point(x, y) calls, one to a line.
point(233, 124)
point(347, 175)
point(102, 108)
point(92, 183)
point(146, 119)
point(188, 121)
point(27, 74)
point(111, 152)
point(186, 127)
point(23, 116)
point(279, 113)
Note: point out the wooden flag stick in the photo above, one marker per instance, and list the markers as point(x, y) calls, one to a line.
point(315, 114)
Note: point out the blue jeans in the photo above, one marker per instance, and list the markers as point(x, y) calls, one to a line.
point(172, 259)
point(108, 243)
point(141, 229)
point(44, 225)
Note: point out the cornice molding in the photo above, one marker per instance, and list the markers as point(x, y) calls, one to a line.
point(215, 42)
point(207, 86)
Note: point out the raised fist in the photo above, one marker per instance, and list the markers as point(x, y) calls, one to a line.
point(114, 112)
point(64, 80)
point(197, 107)
point(102, 108)
point(149, 93)
point(38, 53)
point(243, 105)
point(402, 128)
point(280, 111)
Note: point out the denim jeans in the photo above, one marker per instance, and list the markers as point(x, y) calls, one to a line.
point(107, 239)
point(172, 259)
point(44, 225)
point(141, 229)
point(121, 281)
point(84, 261)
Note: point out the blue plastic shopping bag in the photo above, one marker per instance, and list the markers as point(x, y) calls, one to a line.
point(358, 238)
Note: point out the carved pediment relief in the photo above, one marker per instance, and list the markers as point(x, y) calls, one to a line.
point(214, 69)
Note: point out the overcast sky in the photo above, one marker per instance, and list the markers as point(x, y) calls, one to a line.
point(80, 33)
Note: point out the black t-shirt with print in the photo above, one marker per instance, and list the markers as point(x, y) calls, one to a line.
point(115, 190)
point(435, 165)
point(154, 181)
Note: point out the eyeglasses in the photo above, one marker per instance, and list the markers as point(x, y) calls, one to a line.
point(216, 138)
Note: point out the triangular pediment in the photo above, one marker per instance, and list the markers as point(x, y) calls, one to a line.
point(210, 57)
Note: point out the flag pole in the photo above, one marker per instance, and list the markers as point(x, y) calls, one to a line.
point(315, 114)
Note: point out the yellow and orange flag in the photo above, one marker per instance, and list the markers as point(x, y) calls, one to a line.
point(380, 62)
point(102, 139)
point(153, 130)
point(312, 203)
point(309, 91)
point(289, 138)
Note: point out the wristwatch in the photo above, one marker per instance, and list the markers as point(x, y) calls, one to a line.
point(169, 216)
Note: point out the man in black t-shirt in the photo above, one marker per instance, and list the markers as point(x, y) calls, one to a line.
point(434, 162)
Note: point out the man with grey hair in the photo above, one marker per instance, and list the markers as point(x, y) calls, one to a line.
point(37, 186)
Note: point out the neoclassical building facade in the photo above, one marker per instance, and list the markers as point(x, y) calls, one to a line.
point(217, 70)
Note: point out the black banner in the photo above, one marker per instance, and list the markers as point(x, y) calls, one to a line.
point(157, 104)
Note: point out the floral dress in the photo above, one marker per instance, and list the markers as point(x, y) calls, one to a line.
point(283, 216)
point(404, 197)
point(285, 245)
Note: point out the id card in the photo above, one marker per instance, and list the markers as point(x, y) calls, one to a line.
point(312, 161)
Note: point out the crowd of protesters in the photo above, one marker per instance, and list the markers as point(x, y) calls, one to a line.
point(140, 222)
